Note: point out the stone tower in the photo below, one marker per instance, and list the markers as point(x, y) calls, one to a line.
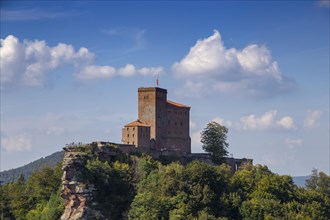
point(152, 112)
point(162, 125)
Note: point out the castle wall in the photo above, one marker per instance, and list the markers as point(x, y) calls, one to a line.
point(178, 138)
point(136, 135)
point(143, 135)
point(129, 135)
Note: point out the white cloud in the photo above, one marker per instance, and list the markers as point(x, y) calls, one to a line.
point(292, 143)
point(252, 70)
point(104, 72)
point(151, 71)
point(28, 62)
point(128, 70)
point(266, 121)
point(286, 122)
point(251, 122)
point(96, 72)
point(196, 144)
point(55, 131)
point(31, 62)
point(16, 143)
point(312, 118)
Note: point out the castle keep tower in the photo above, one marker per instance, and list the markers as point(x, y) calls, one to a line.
point(152, 111)
point(166, 121)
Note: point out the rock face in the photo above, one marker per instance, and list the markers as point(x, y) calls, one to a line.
point(76, 192)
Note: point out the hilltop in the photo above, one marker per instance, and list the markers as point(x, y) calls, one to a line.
point(102, 182)
point(26, 170)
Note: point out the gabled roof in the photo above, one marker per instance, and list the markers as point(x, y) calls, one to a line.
point(136, 123)
point(177, 104)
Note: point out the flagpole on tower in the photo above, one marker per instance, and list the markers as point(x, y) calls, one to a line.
point(157, 81)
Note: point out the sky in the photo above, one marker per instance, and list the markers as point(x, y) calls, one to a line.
point(70, 71)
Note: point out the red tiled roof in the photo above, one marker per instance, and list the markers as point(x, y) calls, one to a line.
point(177, 104)
point(136, 123)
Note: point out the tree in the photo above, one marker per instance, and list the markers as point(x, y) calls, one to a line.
point(214, 140)
point(311, 183)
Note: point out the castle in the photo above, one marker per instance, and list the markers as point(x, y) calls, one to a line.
point(162, 129)
point(162, 125)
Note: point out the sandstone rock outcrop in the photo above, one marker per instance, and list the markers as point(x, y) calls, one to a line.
point(77, 193)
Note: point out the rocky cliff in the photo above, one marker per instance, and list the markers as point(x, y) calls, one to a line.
point(77, 192)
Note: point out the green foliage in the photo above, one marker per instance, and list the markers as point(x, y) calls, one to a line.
point(113, 184)
point(214, 138)
point(35, 198)
point(319, 181)
point(139, 187)
point(201, 191)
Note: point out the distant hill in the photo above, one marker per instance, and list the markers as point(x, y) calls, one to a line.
point(13, 174)
point(300, 180)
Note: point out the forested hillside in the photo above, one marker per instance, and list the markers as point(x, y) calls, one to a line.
point(13, 174)
point(139, 187)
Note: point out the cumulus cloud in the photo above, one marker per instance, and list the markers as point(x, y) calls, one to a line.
point(312, 118)
point(104, 72)
point(251, 70)
point(254, 122)
point(96, 72)
point(286, 122)
point(266, 121)
point(293, 143)
point(196, 141)
point(16, 143)
point(29, 63)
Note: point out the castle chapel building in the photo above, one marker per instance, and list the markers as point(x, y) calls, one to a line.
point(162, 125)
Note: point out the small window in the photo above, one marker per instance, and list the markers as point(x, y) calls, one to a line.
point(175, 123)
point(133, 135)
point(127, 142)
point(181, 123)
point(127, 129)
point(133, 129)
point(127, 135)
point(133, 142)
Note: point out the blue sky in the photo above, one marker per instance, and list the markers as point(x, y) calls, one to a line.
point(70, 72)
